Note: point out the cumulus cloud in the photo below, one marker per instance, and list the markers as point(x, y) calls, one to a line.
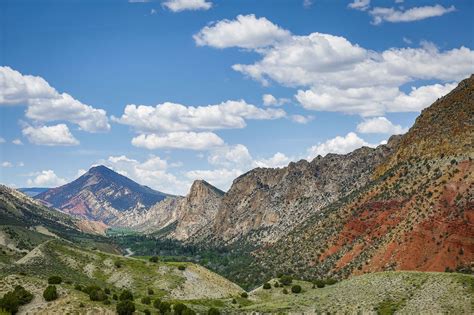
point(58, 135)
point(178, 140)
point(46, 178)
point(182, 5)
point(151, 172)
point(7, 164)
point(361, 5)
point(270, 100)
point(230, 156)
point(340, 145)
point(380, 125)
point(221, 178)
point(277, 160)
point(300, 119)
point(392, 15)
point(17, 142)
point(168, 117)
point(333, 74)
point(44, 103)
point(246, 31)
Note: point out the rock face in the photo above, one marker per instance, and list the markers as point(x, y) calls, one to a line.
point(417, 212)
point(178, 217)
point(102, 195)
point(264, 204)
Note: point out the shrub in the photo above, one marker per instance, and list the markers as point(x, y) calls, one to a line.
point(125, 307)
point(106, 302)
point(234, 301)
point(115, 297)
point(285, 291)
point(150, 291)
point(154, 259)
point(50, 293)
point(181, 267)
point(189, 311)
point(157, 303)
point(179, 308)
point(118, 264)
point(146, 300)
point(267, 286)
point(244, 295)
point(78, 287)
point(330, 281)
point(296, 288)
point(97, 294)
point(146, 312)
point(55, 280)
point(320, 283)
point(13, 299)
point(164, 307)
point(107, 291)
point(213, 311)
point(286, 280)
point(126, 295)
point(81, 304)
point(276, 284)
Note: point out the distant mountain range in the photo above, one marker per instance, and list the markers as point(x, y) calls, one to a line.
point(33, 191)
point(102, 195)
point(404, 205)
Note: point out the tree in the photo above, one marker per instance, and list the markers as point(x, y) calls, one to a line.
point(181, 267)
point(126, 295)
point(244, 295)
point(165, 307)
point(285, 291)
point(319, 283)
point(213, 311)
point(157, 303)
point(125, 307)
point(154, 259)
point(97, 294)
point(118, 264)
point(150, 291)
point(55, 280)
point(50, 293)
point(267, 286)
point(286, 280)
point(13, 299)
point(189, 311)
point(146, 300)
point(296, 288)
point(179, 308)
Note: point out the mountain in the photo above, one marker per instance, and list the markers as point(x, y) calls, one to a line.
point(264, 204)
point(416, 212)
point(32, 191)
point(101, 195)
point(182, 217)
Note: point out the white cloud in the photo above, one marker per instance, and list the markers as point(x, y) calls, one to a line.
point(169, 117)
point(414, 14)
point(80, 172)
point(182, 5)
point(221, 178)
point(334, 74)
point(228, 156)
point(277, 160)
point(380, 125)
point(46, 178)
point(17, 142)
point(58, 135)
point(178, 140)
point(2, 140)
point(151, 172)
point(270, 100)
point(44, 103)
point(300, 119)
point(7, 164)
point(359, 5)
point(340, 145)
point(307, 3)
point(20, 164)
point(246, 31)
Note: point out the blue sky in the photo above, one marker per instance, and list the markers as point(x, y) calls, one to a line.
point(166, 92)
